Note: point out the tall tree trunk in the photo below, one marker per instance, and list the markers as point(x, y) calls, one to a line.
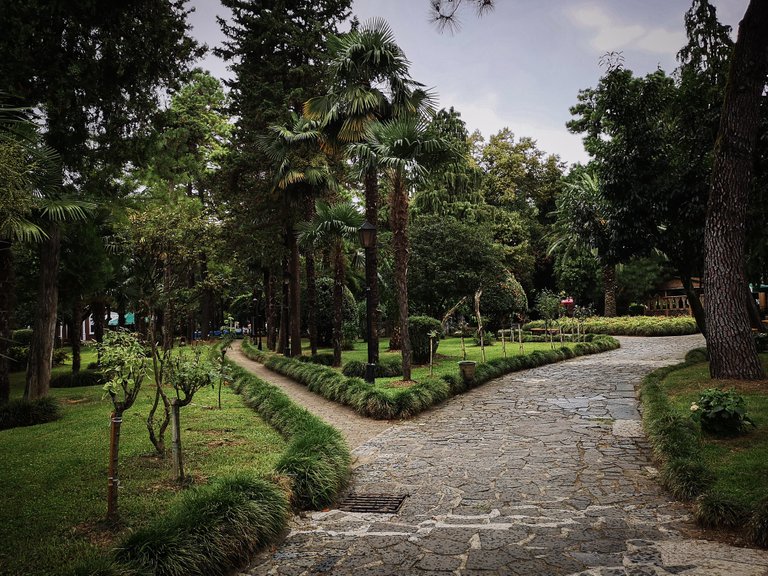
point(609, 286)
point(695, 302)
point(283, 341)
point(271, 309)
point(295, 278)
point(371, 184)
point(309, 257)
point(98, 305)
point(732, 350)
point(338, 299)
point(74, 333)
point(400, 244)
point(206, 316)
point(41, 349)
point(6, 309)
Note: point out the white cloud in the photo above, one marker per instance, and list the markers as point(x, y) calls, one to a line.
point(609, 33)
point(487, 114)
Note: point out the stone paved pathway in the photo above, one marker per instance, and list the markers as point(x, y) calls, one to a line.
point(542, 472)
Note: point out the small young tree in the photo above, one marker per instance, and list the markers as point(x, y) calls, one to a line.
point(124, 361)
point(187, 374)
point(548, 305)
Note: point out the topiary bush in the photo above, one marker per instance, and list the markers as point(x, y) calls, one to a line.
point(419, 328)
point(22, 337)
point(82, 378)
point(18, 413)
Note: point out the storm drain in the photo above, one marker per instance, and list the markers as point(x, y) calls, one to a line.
point(372, 503)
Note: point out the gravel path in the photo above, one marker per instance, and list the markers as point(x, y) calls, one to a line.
point(541, 472)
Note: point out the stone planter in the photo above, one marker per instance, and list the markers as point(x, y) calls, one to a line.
point(467, 369)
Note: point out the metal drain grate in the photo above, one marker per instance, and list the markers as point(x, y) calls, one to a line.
point(375, 503)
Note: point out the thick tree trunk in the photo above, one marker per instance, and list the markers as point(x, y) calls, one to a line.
point(695, 302)
point(371, 184)
point(338, 299)
point(7, 292)
point(41, 349)
point(295, 278)
point(732, 350)
point(400, 244)
point(609, 286)
point(74, 332)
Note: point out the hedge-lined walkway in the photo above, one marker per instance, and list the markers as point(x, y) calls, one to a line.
point(356, 429)
point(540, 472)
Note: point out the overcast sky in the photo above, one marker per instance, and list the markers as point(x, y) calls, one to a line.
point(521, 65)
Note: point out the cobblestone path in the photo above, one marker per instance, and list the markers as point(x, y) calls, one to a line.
point(542, 472)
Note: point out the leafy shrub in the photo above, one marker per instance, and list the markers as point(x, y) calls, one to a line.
point(636, 309)
point(715, 510)
point(419, 329)
point(18, 357)
point(18, 413)
point(60, 355)
point(22, 337)
point(387, 367)
point(721, 412)
point(324, 359)
point(82, 378)
point(488, 339)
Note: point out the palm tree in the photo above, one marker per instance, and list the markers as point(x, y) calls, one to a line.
point(403, 148)
point(582, 222)
point(301, 173)
point(370, 82)
point(30, 210)
point(332, 224)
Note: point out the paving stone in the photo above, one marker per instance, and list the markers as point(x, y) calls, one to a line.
point(541, 472)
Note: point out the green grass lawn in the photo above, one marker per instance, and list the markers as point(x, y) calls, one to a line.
point(448, 354)
point(54, 476)
point(740, 464)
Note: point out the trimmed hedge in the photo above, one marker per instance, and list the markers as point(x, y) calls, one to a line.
point(20, 412)
point(375, 402)
point(387, 367)
point(216, 528)
point(82, 378)
point(627, 325)
point(676, 444)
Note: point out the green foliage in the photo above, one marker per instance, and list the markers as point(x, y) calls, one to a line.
point(721, 412)
point(317, 459)
point(503, 297)
point(189, 372)
point(419, 329)
point(60, 355)
point(548, 305)
point(22, 337)
point(75, 379)
point(628, 325)
point(716, 510)
point(29, 413)
point(124, 362)
point(212, 529)
point(386, 367)
point(636, 309)
point(324, 359)
point(449, 259)
point(324, 314)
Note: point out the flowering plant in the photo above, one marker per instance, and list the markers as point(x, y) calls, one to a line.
point(721, 412)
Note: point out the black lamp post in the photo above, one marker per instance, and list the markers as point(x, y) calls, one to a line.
point(367, 234)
